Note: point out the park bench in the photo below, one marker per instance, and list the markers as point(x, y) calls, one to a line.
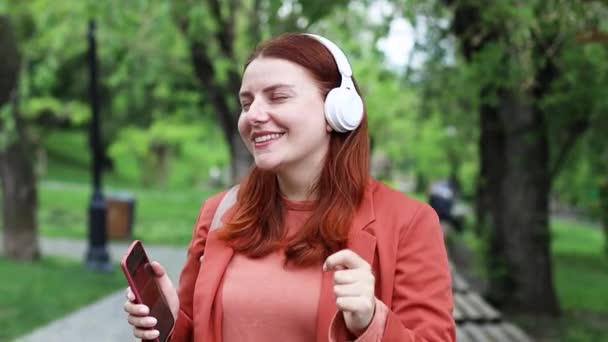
point(476, 320)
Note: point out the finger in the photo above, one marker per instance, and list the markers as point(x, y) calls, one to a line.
point(363, 276)
point(129, 294)
point(164, 282)
point(136, 309)
point(351, 290)
point(146, 322)
point(345, 258)
point(158, 269)
point(345, 277)
point(354, 304)
point(146, 334)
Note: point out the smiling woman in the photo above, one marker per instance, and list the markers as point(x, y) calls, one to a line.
point(312, 249)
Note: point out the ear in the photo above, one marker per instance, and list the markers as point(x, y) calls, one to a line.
point(328, 128)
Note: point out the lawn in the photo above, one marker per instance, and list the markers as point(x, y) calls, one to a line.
point(36, 293)
point(161, 217)
point(581, 280)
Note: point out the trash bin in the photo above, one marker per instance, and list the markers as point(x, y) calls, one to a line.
point(120, 214)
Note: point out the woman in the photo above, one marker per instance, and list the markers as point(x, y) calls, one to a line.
point(313, 249)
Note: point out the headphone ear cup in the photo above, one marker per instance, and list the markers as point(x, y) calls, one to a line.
point(343, 109)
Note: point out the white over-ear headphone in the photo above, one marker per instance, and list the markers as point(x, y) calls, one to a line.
point(343, 105)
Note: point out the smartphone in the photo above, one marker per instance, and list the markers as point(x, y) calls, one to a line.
point(143, 282)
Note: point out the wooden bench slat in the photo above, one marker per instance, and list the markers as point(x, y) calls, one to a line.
point(459, 284)
point(497, 334)
point(476, 332)
point(486, 310)
point(457, 314)
point(468, 310)
point(516, 333)
point(461, 335)
point(477, 320)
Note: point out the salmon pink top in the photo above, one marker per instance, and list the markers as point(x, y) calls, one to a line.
point(264, 300)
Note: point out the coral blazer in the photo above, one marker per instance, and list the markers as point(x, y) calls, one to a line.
point(400, 237)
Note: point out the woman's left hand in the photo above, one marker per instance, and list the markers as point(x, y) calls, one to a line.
point(353, 288)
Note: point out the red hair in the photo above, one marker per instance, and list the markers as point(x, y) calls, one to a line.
point(256, 228)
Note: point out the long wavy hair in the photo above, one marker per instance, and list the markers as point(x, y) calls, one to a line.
point(256, 228)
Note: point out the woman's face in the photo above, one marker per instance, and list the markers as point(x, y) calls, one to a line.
point(282, 120)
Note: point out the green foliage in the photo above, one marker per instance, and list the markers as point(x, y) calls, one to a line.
point(193, 149)
point(540, 33)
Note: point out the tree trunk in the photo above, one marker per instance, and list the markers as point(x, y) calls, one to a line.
point(20, 199)
point(514, 180)
point(525, 280)
point(227, 116)
point(489, 189)
point(491, 149)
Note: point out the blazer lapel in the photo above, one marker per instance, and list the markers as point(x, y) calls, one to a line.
point(360, 242)
point(214, 262)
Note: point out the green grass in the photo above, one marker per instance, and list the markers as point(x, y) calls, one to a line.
point(581, 270)
point(32, 294)
point(581, 281)
point(580, 278)
point(163, 217)
point(160, 217)
point(68, 160)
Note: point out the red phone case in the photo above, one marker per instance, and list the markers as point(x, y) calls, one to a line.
point(138, 263)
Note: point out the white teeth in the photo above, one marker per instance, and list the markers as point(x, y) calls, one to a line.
point(267, 137)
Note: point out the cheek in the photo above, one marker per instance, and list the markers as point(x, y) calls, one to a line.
point(243, 127)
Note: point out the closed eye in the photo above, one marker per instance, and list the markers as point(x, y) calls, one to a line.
point(279, 98)
point(245, 106)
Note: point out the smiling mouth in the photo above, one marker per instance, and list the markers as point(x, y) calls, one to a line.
point(267, 137)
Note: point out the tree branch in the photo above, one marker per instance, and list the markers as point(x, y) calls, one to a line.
point(592, 36)
point(9, 59)
point(205, 72)
point(225, 32)
point(255, 24)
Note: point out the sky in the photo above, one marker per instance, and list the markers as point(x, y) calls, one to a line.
point(399, 42)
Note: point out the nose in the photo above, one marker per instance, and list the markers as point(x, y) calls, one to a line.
point(257, 113)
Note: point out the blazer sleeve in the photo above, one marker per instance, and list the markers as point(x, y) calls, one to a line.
point(422, 300)
point(182, 331)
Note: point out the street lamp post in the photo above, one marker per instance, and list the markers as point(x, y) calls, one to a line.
point(97, 258)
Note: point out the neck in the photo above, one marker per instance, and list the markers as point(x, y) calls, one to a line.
point(297, 185)
point(297, 181)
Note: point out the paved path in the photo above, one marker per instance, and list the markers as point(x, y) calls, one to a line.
point(104, 320)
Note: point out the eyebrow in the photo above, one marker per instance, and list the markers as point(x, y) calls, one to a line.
point(268, 89)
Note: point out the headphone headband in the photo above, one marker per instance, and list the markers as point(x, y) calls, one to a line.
point(337, 53)
point(343, 105)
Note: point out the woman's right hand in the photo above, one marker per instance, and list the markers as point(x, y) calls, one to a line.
point(139, 318)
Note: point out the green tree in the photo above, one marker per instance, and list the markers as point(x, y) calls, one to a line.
point(513, 60)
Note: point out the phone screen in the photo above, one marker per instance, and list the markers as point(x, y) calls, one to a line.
point(144, 282)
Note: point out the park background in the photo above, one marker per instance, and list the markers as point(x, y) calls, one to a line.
point(506, 99)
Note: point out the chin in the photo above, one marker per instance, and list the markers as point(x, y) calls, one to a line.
point(266, 164)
